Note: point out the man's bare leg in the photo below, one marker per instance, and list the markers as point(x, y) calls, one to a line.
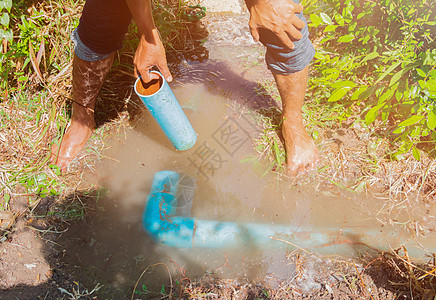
point(301, 152)
point(88, 78)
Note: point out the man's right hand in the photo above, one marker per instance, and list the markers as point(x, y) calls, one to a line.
point(150, 53)
point(278, 16)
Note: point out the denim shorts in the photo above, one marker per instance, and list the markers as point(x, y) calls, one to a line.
point(102, 28)
point(83, 52)
point(282, 60)
point(104, 23)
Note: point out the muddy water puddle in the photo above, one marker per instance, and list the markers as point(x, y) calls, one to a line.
point(111, 248)
point(218, 95)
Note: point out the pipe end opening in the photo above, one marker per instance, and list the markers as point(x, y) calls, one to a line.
point(149, 88)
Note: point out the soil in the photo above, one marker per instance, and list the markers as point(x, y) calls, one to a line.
point(29, 263)
point(34, 266)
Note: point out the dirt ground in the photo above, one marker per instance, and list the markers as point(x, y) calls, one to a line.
point(33, 267)
point(37, 262)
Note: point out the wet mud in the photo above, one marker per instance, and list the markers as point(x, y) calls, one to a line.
point(219, 96)
point(148, 88)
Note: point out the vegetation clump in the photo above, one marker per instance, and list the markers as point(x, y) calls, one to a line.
point(373, 80)
point(378, 59)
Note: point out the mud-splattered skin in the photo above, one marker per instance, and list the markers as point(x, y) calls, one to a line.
point(88, 78)
point(301, 152)
point(278, 16)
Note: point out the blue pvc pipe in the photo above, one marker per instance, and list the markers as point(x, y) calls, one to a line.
point(161, 223)
point(168, 113)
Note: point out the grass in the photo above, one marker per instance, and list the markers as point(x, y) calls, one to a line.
point(353, 155)
point(35, 108)
point(34, 113)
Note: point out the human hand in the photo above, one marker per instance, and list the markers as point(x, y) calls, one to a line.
point(277, 16)
point(150, 53)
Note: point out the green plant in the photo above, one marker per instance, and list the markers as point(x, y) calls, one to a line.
point(6, 36)
point(142, 291)
point(269, 143)
point(34, 65)
point(76, 293)
point(377, 60)
point(179, 31)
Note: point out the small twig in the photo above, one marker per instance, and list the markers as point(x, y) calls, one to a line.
point(289, 243)
point(146, 269)
point(18, 245)
point(412, 265)
point(424, 178)
point(363, 283)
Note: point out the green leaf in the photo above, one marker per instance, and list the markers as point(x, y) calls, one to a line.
point(396, 77)
point(319, 55)
point(338, 94)
point(431, 120)
point(411, 120)
point(431, 84)
point(399, 130)
point(4, 19)
point(326, 19)
point(357, 92)
point(330, 28)
point(372, 114)
point(346, 38)
point(422, 84)
point(366, 39)
point(6, 4)
point(387, 95)
point(315, 19)
point(55, 169)
point(389, 70)
point(360, 15)
point(6, 34)
point(421, 72)
point(398, 95)
point(370, 56)
point(416, 154)
point(338, 18)
point(367, 92)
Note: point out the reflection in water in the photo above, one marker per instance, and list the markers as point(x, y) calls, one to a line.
point(110, 246)
point(231, 185)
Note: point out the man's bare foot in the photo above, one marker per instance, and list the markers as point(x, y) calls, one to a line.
point(76, 136)
point(301, 152)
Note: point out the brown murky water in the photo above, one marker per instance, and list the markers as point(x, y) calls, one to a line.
point(218, 96)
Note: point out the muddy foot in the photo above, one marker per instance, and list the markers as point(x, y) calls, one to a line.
point(301, 152)
point(73, 141)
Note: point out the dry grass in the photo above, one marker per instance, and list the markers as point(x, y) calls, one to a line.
point(36, 114)
point(383, 276)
